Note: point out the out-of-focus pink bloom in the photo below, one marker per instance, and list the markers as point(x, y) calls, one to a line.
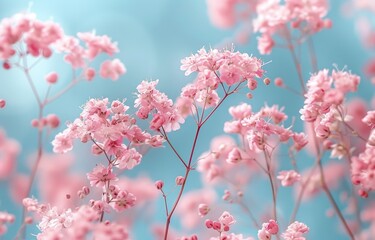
point(112, 69)
point(189, 204)
point(288, 178)
point(2, 103)
point(52, 77)
point(9, 151)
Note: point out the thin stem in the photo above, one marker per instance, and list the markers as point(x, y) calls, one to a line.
point(273, 188)
point(251, 215)
point(333, 202)
point(165, 202)
point(187, 171)
point(326, 189)
point(64, 90)
point(173, 148)
point(295, 59)
point(313, 59)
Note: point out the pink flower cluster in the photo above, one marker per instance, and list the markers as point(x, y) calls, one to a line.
point(363, 168)
point(107, 127)
point(258, 128)
point(325, 93)
point(78, 224)
point(288, 178)
point(223, 224)
point(217, 68)
point(295, 231)
point(268, 229)
point(41, 38)
point(274, 16)
point(150, 100)
point(4, 219)
point(38, 36)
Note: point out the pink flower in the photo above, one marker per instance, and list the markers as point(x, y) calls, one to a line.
point(62, 142)
point(268, 229)
point(288, 178)
point(89, 73)
point(322, 131)
point(112, 69)
point(265, 44)
point(295, 231)
point(369, 119)
point(123, 200)
point(222, 13)
point(97, 44)
point(226, 219)
point(101, 175)
point(203, 209)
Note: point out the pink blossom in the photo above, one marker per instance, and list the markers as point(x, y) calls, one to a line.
point(97, 44)
point(226, 219)
point(123, 200)
point(62, 142)
point(112, 69)
point(222, 14)
point(295, 231)
point(268, 229)
point(101, 175)
point(265, 44)
point(4, 219)
point(369, 119)
point(89, 74)
point(288, 178)
point(203, 209)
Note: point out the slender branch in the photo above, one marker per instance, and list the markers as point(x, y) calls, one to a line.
point(165, 202)
point(273, 188)
point(173, 148)
point(313, 59)
point(295, 59)
point(333, 202)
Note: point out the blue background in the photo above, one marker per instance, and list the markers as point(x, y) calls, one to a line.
point(153, 36)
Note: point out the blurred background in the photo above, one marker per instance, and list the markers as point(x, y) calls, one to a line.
point(153, 36)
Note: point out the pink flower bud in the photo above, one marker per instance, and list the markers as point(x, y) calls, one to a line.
point(180, 180)
point(216, 225)
point(28, 220)
point(2, 103)
point(89, 74)
point(46, 52)
point(322, 131)
point(252, 84)
point(327, 23)
point(272, 227)
point(279, 82)
point(159, 184)
point(267, 81)
point(52, 77)
point(86, 190)
point(363, 193)
point(209, 223)
point(203, 209)
point(6, 65)
point(53, 120)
